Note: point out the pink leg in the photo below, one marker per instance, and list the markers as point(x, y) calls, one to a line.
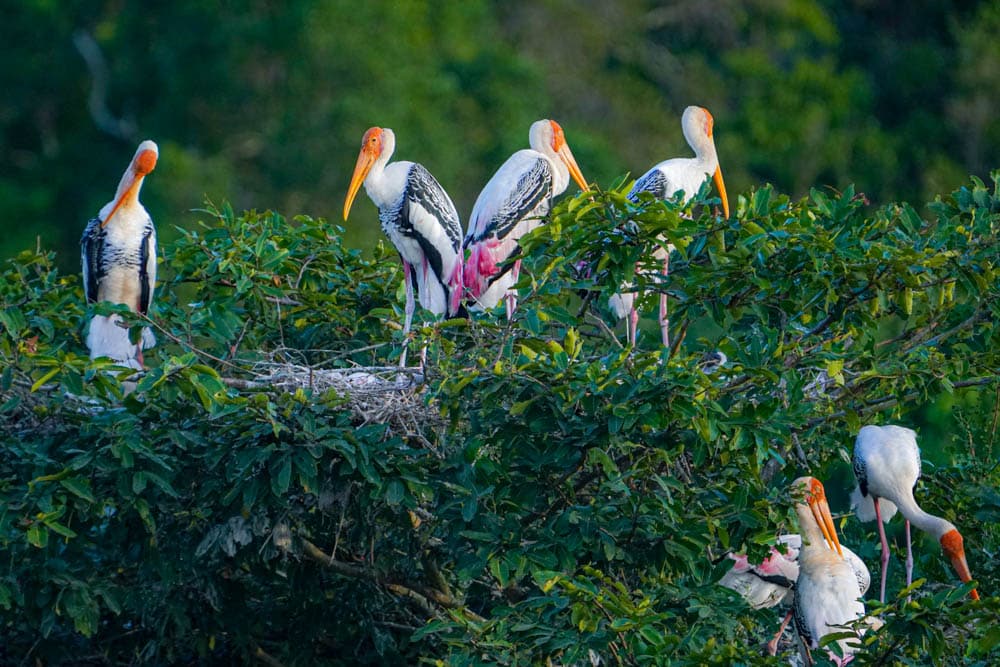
point(772, 646)
point(885, 548)
point(511, 296)
point(138, 356)
point(909, 559)
point(410, 307)
point(633, 325)
point(664, 317)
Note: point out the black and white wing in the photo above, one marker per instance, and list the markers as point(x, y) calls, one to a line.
point(147, 267)
point(92, 258)
point(654, 182)
point(511, 196)
point(429, 216)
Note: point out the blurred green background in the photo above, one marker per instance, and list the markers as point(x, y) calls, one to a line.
point(264, 103)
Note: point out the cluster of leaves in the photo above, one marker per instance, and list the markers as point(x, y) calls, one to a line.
point(579, 500)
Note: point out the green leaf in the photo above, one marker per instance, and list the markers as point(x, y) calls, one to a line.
point(281, 481)
point(79, 487)
point(38, 535)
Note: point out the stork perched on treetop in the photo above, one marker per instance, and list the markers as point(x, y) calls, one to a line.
point(419, 218)
point(887, 467)
point(513, 203)
point(118, 252)
point(665, 180)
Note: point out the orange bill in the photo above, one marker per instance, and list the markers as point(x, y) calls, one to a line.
point(954, 548)
point(821, 512)
point(371, 146)
point(717, 177)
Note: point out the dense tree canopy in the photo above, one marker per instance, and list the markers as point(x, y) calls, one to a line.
point(265, 103)
point(542, 494)
point(545, 495)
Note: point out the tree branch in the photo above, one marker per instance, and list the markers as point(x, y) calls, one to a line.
point(421, 595)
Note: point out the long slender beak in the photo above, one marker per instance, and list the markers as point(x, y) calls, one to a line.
point(954, 547)
point(821, 512)
point(142, 164)
point(962, 569)
point(720, 184)
point(366, 159)
point(566, 155)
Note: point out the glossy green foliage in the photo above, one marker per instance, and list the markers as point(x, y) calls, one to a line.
point(548, 495)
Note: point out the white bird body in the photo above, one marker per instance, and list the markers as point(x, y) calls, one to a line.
point(827, 597)
point(827, 594)
point(118, 253)
point(430, 216)
point(887, 467)
point(513, 203)
point(890, 464)
point(420, 220)
point(771, 582)
point(665, 181)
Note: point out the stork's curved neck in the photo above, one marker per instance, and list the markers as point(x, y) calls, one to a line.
point(926, 522)
point(378, 167)
point(129, 186)
point(704, 151)
point(379, 190)
point(542, 143)
point(560, 174)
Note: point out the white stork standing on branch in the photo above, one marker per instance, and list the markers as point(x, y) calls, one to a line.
point(665, 180)
point(827, 595)
point(887, 466)
point(513, 203)
point(419, 218)
point(118, 251)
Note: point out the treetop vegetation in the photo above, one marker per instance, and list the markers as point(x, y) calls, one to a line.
point(538, 493)
point(544, 495)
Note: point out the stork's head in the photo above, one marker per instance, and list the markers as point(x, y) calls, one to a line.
point(377, 142)
point(546, 136)
point(810, 491)
point(143, 162)
point(954, 548)
point(699, 126)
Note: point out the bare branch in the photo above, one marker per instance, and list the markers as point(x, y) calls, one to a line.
point(97, 103)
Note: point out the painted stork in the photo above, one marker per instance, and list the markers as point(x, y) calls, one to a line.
point(118, 252)
point(513, 203)
point(772, 582)
point(827, 595)
point(419, 218)
point(665, 180)
point(887, 466)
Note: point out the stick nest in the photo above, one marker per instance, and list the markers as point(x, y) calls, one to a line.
point(390, 395)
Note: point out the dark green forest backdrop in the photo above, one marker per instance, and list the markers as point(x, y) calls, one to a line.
point(264, 103)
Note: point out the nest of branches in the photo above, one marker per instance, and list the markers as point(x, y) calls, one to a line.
point(390, 395)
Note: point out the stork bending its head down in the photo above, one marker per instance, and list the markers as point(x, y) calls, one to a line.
point(887, 467)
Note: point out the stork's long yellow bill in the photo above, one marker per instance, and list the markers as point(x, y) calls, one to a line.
point(361, 169)
point(720, 184)
point(574, 170)
point(824, 518)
